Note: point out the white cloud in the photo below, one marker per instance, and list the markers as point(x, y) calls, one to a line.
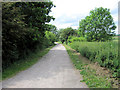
point(64, 25)
point(75, 10)
point(115, 17)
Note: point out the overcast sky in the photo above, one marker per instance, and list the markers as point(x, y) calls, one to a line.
point(68, 13)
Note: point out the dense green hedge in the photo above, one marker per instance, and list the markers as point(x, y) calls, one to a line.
point(105, 53)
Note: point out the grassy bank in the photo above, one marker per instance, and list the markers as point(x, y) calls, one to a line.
point(93, 75)
point(24, 64)
point(105, 53)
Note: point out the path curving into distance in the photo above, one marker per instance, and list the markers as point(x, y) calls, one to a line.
point(54, 70)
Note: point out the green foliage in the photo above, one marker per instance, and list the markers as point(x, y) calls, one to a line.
point(98, 26)
point(72, 39)
point(37, 12)
point(89, 75)
point(105, 53)
point(94, 81)
point(51, 28)
point(63, 34)
point(23, 29)
point(50, 38)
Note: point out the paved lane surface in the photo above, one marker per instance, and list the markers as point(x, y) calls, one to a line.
point(54, 70)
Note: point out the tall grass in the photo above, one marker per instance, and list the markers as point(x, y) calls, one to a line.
point(105, 53)
point(90, 77)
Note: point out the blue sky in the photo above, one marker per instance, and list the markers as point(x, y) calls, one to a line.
point(68, 13)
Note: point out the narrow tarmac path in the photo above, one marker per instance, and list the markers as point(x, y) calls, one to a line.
point(54, 70)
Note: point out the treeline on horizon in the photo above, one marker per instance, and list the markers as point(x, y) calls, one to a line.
point(24, 29)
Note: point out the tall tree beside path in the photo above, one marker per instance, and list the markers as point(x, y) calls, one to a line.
point(23, 28)
point(98, 26)
point(51, 28)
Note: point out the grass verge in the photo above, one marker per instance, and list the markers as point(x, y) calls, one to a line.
point(90, 77)
point(24, 64)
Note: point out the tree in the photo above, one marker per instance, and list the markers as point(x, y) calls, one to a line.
point(51, 37)
point(36, 14)
point(12, 32)
point(82, 25)
point(98, 26)
point(23, 29)
point(51, 28)
point(65, 33)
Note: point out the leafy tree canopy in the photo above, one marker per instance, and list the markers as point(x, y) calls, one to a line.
point(51, 28)
point(65, 33)
point(98, 26)
point(23, 28)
